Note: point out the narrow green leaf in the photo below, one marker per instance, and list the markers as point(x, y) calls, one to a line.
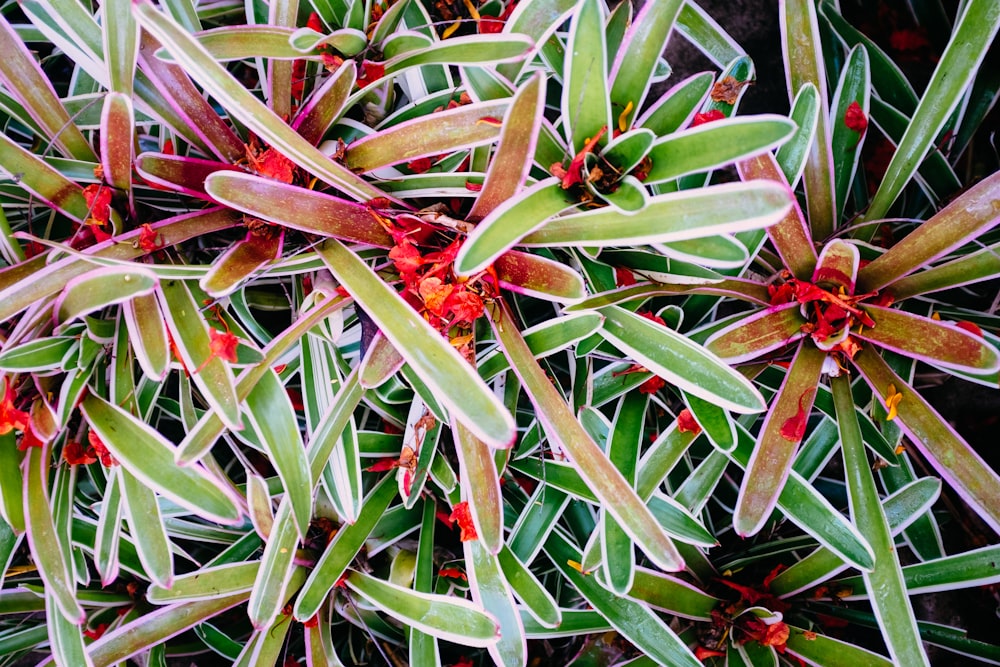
point(11, 483)
point(624, 441)
point(102, 287)
point(490, 590)
point(277, 565)
point(478, 472)
point(39, 354)
point(889, 598)
point(145, 522)
point(854, 88)
point(586, 105)
point(148, 456)
point(43, 181)
point(65, 637)
point(824, 650)
point(792, 154)
point(672, 595)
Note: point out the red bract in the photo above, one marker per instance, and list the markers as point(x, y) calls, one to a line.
point(370, 71)
point(223, 345)
point(624, 277)
point(452, 573)
point(686, 422)
point(314, 22)
point(99, 202)
point(574, 174)
point(10, 417)
point(75, 454)
point(652, 385)
point(420, 165)
point(97, 632)
point(147, 238)
point(707, 117)
point(855, 119)
point(383, 465)
point(100, 449)
point(273, 164)
point(795, 427)
point(461, 514)
point(466, 306)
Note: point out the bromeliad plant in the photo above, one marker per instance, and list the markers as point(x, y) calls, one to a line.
point(280, 300)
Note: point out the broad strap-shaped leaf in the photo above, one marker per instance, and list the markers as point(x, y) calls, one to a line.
point(467, 50)
point(102, 287)
point(791, 235)
point(454, 382)
point(42, 180)
point(792, 154)
point(325, 104)
point(241, 261)
point(121, 45)
point(43, 537)
point(714, 420)
point(444, 616)
point(539, 277)
point(277, 565)
point(971, 38)
point(608, 485)
point(800, 41)
point(478, 472)
point(777, 443)
point(838, 266)
point(118, 139)
point(509, 222)
point(182, 174)
point(65, 637)
point(537, 19)
point(983, 264)
point(270, 413)
point(189, 331)
point(512, 160)
point(889, 600)
point(677, 106)
point(970, 215)
point(529, 589)
point(11, 483)
point(973, 568)
point(762, 332)
point(671, 217)
point(24, 79)
point(586, 105)
point(624, 441)
point(957, 463)
point(150, 457)
point(245, 107)
point(672, 595)
point(145, 522)
point(463, 127)
point(713, 145)
point(631, 73)
point(824, 650)
point(491, 590)
point(634, 620)
point(846, 142)
point(675, 358)
point(930, 340)
point(298, 208)
point(147, 334)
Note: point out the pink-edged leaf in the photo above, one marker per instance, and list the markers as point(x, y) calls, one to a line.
point(205, 128)
point(478, 472)
point(325, 104)
point(381, 361)
point(102, 287)
point(513, 157)
point(837, 266)
point(737, 288)
point(459, 128)
point(117, 140)
point(298, 208)
point(181, 174)
point(968, 216)
point(960, 466)
point(539, 277)
point(147, 335)
point(24, 79)
point(935, 342)
point(777, 443)
point(790, 236)
point(241, 261)
point(150, 457)
point(983, 264)
point(615, 493)
point(760, 333)
point(42, 180)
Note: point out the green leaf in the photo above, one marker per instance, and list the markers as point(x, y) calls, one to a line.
point(490, 590)
point(671, 217)
point(757, 334)
point(145, 522)
point(854, 87)
point(478, 472)
point(102, 287)
point(792, 154)
point(672, 595)
point(45, 182)
point(678, 360)
point(824, 650)
point(454, 382)
point(148, 456)
point(624, 441)
point(586, 106)
point(889, 597)
point(65, 637)
point(39, 354)
point(271, 415)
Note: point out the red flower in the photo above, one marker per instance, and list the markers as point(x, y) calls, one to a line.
point(97, 632)
point(75, 454)
point(461, 514)
point(370, 71)
point(315, 22)
point(908, 40)
point(463, 662)
point(147, 238)
point(383, 465)
point(686, 422)
point(100, 449)
point(452, 573)
point(624, 277)
point(99, 202)
point(572, 175)
point(652, 385)
point(855, 119)
point(465, 305)
point(273, 164)
point(707, 117)
point(971, 327)
point(795, 427)
point(701, 653)
point(223, 344)
point(10, 417)
point(420, 165)
point(30, 439)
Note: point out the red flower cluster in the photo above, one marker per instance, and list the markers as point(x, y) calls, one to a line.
point(10, 417)
point(707, 117)
point(76, 454)
point(729, 618)
point(461, 514)
point(655, 383)
point(270, 163)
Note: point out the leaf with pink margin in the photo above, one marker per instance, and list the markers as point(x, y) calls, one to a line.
point(777, 442)
point(478, 472)
point(760, 333)
point(380, 362)
point(791, 236)
point(540, 277)
point(970, 215)
point(983, 264)
point(102, 287)
point(326, 104)
point(150, 457)
point(737, 288)
point(561, 425)
point(837, 265)
point(512, 159)
point(241, 261)
point(185, 175)
point(929, 340)
point(42, 181)
point(463, 127)
point(585, 102)
point(960, 466)
point(24, 79)
point(117, 140)
point(298, 208)
point(203, 125)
